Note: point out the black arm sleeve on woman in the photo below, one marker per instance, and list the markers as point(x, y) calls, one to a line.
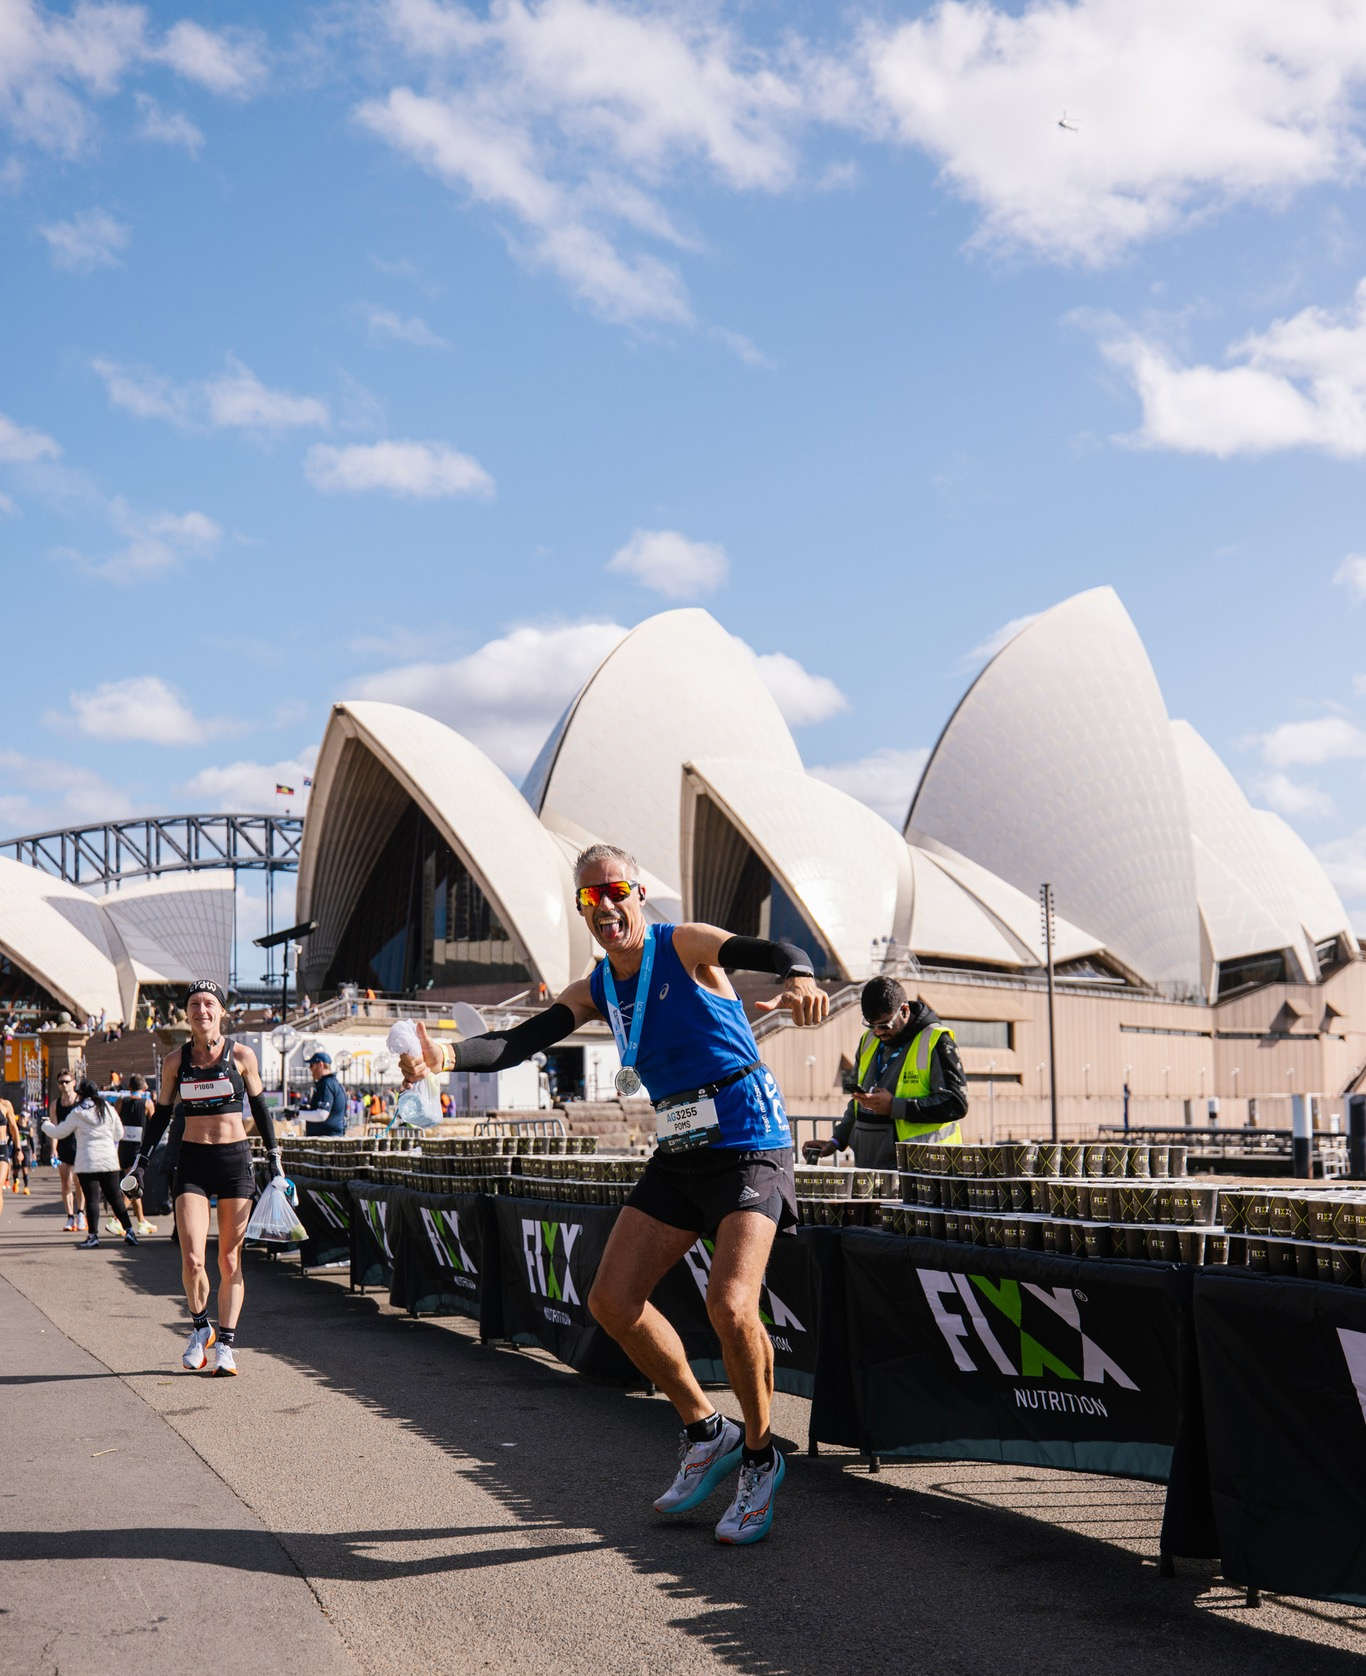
point(155, 1128)
point(265, 1123)
point(499, 1049)
point(758, 954)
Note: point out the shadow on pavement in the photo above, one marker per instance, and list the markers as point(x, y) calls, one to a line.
point(860, 1571)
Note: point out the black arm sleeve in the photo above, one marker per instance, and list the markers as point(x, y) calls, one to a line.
point(265, 1123)
point(155, 1128)
point(758, 954)
point(499, 1049)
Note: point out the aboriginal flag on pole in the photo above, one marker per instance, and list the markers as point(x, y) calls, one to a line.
point(284, 791)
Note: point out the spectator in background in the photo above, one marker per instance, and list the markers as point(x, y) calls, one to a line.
point(72, 1196)
point(134, 1110)
point(324, 1111)
point(97, 1132)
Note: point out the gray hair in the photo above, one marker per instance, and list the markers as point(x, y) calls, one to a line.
point(606, 852)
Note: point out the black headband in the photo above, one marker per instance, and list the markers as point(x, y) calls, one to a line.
point(206, 986)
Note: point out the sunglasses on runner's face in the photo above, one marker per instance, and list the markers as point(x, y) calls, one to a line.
point(588, 896)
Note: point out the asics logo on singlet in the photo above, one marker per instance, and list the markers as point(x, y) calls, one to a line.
point(663, 992)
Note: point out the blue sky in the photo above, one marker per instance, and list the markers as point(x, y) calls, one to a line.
point(414, 350)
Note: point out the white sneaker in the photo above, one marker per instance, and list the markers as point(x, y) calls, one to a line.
point(147, 1227)
point(701, 1467)
point(112, 1225)
point(197, 1348)
point(749, 1516)
point(224, 1360)
point(80, 1223)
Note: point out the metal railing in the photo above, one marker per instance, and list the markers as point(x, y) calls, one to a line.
point(493, 1125)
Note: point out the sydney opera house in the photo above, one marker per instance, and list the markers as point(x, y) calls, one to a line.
point(1201, 952)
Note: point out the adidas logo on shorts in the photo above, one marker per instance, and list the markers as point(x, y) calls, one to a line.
point(747, 1193)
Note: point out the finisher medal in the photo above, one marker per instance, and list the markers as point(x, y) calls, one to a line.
point(627, 1079)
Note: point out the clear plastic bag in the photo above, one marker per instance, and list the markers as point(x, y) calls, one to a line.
point(418, 1103)
point(274, 1218)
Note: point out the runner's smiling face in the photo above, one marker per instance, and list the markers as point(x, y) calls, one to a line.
point(617, 926)
point(205, 1014)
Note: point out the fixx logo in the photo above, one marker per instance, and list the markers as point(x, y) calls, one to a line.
point(548, 1248)
point(443, 1235)
point(969, 1308)
point(334, 1212)
point(374, 1211)
point(773, 1312)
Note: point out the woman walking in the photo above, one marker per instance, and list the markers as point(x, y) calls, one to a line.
point(205, 1082)
point(97, 1132)
point(72, 1197)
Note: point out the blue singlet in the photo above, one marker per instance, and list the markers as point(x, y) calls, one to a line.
point(692, 1038)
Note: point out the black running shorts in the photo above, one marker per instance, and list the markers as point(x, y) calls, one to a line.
point(128, 1155)
point(697, 1190)
point(66, 1150)
point(222, 1172)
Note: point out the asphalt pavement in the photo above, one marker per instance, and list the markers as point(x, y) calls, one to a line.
point(375, 1494)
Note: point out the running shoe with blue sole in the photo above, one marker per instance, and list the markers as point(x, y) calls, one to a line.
point(750, 1515)
point(701, 1467)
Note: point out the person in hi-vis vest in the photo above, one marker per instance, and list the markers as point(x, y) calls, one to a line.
point(910, 1083)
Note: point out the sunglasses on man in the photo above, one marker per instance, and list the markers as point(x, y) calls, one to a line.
point(893, 1021)
point(615, 890)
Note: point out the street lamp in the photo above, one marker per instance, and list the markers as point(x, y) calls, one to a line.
point(285, 1038)
point(991, 1099)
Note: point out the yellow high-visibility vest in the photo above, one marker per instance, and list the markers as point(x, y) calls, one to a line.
point(913, 1083)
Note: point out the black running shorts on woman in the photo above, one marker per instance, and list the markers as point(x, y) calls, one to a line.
point(695, 1191)
point(222, 1171)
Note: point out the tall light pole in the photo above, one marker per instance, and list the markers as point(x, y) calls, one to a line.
point(1046, 911)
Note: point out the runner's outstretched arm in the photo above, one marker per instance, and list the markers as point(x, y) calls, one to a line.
point(707, 951)
point(496, 1050)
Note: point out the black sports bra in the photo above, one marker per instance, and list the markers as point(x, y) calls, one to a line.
point(207, 1091)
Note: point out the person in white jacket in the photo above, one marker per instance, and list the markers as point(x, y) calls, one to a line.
point(98, 1132)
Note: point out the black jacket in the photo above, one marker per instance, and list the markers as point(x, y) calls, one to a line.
point(947, 1100)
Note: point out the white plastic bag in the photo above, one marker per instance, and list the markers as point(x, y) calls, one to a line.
point(274, 1218)
point(418, 1103)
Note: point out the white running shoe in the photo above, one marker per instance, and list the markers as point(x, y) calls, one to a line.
point(197, 1348)
point(224, 1360)
point(701, 1467)
point(80, 1223)
point(749, 1516)
point(146, 1227)
point(112, 1225)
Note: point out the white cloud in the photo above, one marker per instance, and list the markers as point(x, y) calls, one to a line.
point(55, 65)
point(507, 695)
point(1344, 861)
point(235, 399)
point(167, 127)
point(21, 446)
point(139, 708)
point(240, 787)
point(1291, 797)
point(1299, 384)
point(155, 543)
point(1310, 744)
point(802, 697)
point(1180, 109)
point(92, 239)
point(571, 117)
point(671, 564)
point(996, 641)
point(885, 780)
point(39, 793)
point(1351, 574)
point(7, 505)
point(224, 63)
point(399, 328)
point(420, 470)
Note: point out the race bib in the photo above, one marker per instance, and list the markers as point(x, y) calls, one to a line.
point(698, 1117)
point(216, 1088)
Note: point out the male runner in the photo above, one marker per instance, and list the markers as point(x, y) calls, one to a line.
point(722, 1166)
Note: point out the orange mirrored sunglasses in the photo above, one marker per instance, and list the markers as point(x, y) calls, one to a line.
point(616, 890)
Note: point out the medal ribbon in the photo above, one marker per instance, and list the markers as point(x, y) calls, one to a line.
point(629, 1049)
